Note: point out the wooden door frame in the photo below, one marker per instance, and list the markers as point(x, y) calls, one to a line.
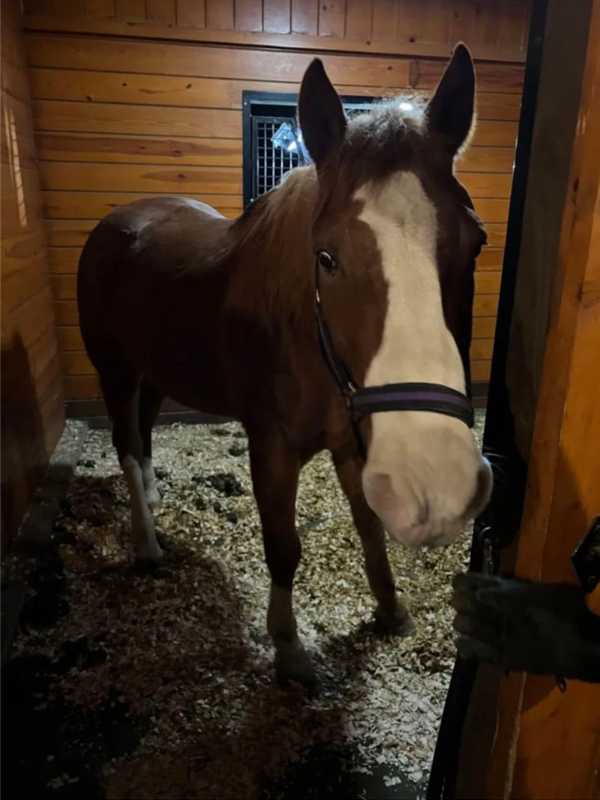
point(548, 742)
point(519, 728)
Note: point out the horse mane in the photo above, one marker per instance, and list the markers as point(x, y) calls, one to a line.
point(273, 235)
point(293, 196)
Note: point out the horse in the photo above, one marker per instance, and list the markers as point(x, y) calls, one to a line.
point(334, 313)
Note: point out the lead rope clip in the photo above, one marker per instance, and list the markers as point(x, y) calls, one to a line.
point(489, 566)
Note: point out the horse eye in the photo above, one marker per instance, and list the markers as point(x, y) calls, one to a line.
point(326, 261)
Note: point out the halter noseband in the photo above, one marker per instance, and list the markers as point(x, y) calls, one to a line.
point(433, 397)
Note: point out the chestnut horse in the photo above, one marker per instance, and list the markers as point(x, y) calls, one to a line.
point(379, 237)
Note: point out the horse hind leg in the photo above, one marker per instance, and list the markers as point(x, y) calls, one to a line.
point(121, 389)
point(149, 406)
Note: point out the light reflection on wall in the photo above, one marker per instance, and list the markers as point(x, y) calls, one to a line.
point(15, 164)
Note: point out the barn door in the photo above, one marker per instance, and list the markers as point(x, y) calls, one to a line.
point(522, 736)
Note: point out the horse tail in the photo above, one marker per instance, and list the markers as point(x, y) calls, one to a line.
point(99, 276)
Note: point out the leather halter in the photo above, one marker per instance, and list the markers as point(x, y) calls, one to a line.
point(361, 401)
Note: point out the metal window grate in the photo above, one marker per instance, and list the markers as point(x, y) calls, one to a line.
point(264, 163)
point(269, 163)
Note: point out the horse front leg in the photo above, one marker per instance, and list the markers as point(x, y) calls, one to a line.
point(275, 472)
point(391, 614)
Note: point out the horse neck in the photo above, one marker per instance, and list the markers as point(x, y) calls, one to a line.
point(273, 276)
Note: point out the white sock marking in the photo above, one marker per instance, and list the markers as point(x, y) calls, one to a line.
point(142, 523)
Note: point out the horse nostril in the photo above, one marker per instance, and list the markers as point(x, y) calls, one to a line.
point(379, 487)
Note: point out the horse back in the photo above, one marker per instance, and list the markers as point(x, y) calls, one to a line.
point(154, 240)
point(163, 232)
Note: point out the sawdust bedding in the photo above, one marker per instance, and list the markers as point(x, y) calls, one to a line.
point(186, 650)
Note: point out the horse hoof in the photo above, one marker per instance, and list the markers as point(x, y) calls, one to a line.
point(149, 553)
point(292, 665)
point(395, 623)
point(307, 680)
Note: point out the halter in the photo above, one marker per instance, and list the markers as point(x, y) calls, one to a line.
point(360, 402)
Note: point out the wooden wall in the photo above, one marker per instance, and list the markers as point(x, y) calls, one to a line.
point(31, 388)
point(139, 97)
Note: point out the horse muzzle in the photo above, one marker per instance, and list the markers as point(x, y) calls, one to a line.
point(414, 518)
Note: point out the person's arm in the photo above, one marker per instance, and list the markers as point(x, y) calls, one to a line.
point(540, 628)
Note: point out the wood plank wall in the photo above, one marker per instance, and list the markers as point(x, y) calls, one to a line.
point(136, 98)
point(31, 385)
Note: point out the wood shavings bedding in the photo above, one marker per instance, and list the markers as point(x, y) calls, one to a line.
point(186, 649)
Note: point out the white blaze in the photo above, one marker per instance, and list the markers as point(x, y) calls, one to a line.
point(422, 467)
point(416, 344)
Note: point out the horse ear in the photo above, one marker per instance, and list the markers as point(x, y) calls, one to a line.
point(320, 112)
point(450, 110)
